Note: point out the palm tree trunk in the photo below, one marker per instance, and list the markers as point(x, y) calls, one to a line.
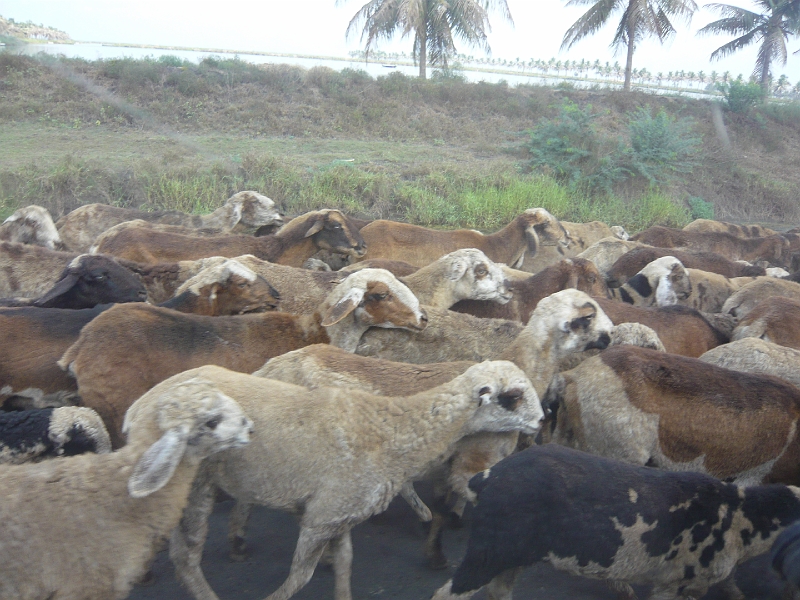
point(629, 58)
point(423, 54)
point(765, 75)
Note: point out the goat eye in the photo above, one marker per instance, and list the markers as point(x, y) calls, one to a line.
point(481, 271)
point(378, 297)
point(212, 423)
point(242, 284)
point(99, 277)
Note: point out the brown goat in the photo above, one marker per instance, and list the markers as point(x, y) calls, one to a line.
point(774, 248)
point(297, 241)
point(630, 263)
point(679, 413)
point(742, 231)
point(574, 273)
point(775, 319)
point(32, 340)
point(420, 246)
point(128, 349)
point(682, 330)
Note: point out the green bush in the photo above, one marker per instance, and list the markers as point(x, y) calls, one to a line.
point(739, 96)
point(661, 146)
point(700, 209)
point(570, 149)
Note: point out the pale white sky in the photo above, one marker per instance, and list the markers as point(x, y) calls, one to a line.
point(318, 27)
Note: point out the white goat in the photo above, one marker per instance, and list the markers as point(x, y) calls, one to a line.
point(99, 519)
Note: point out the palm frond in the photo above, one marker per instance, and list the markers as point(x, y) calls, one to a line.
point(590, 22)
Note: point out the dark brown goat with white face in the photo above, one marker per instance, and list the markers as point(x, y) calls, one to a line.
point(297, 241)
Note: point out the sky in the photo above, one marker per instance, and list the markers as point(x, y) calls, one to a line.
point(319, 26)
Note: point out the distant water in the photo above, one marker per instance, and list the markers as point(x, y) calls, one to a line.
point(90, 51)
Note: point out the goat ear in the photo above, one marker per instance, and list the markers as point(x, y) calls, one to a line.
point(62, 287)
point(457, 269)
point(157, 464)
point(316, 227)
point(343, 307)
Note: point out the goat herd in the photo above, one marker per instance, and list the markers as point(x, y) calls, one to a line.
point(622, 408)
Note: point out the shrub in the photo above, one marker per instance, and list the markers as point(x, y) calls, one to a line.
point(661, 146)
point(700, 209)
point(739, 96)
point(570, 149)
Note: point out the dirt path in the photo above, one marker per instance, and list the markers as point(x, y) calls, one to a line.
point(387, 564)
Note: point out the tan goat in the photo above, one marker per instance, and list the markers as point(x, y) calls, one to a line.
point(128, 349)
point(420, 246)
point(297, 241)
point(241, 212)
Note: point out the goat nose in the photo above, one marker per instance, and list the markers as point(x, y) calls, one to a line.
point(423, 317)
point(143, 295)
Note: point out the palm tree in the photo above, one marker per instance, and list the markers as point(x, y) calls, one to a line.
point(771, 29)
point(640, 19)
point(434, 23)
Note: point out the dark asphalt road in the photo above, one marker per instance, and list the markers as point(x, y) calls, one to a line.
point(387, 563)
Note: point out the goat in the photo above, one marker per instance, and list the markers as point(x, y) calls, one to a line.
point(633, 261)
point(297, 241)
point(100, 518)
point(681, 329)
point(244, 210)
point(31, 225)
point(420, 246)
point(129, 348)
point(563, 324)
point(581, 237)
point(373, 445)
point(757, 356)
point(742, 231)
point(33, 435)
point(774, 249)
point(600, 518)
point(32, 340)
point(748, 296)
point(774, 319)
point(678, 413)
point(662, 282)
point(86, 282)
point(574, 273)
